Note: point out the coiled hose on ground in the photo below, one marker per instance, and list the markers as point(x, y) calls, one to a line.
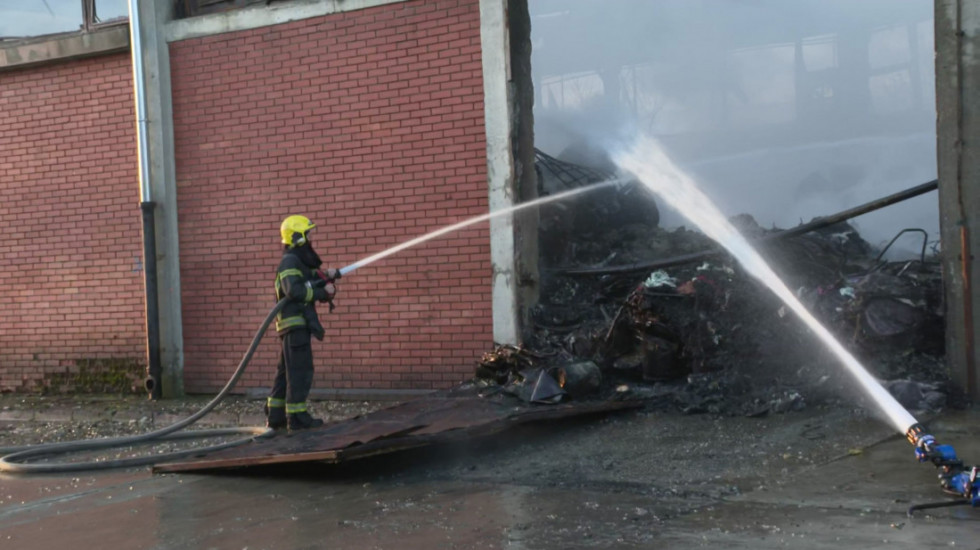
point(13, 458)
point(13, 461)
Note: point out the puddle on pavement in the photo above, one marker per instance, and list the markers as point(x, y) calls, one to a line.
point(419, 501)
point(211, 511)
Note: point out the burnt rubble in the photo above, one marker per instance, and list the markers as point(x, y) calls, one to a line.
point(706, 336)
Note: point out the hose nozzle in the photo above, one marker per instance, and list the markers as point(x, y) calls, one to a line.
point(954, 477)
point(924, 443)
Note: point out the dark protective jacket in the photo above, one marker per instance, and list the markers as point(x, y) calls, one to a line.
point(297, 281)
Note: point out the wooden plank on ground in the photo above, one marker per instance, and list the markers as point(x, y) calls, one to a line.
point(431, 420)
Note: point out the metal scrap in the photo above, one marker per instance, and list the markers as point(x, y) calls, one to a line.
point(704, 330)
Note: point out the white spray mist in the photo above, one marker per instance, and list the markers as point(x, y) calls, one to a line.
point(647, 161)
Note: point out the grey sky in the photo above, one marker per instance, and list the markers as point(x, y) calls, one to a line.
point(784, 109)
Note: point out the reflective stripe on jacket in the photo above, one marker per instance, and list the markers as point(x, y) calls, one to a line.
point(294, 281)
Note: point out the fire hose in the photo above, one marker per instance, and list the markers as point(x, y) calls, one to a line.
point(11, 458)
point(955, 478)
point(12, 461)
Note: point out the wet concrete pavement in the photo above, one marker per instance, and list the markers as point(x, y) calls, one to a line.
point(818, 479)
point(858, 501)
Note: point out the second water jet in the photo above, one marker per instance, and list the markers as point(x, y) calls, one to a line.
point(647, 161)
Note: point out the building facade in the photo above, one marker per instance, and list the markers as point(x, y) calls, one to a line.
point(366, 117)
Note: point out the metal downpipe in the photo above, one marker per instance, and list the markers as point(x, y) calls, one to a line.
point(147, 206)
point(153, 370)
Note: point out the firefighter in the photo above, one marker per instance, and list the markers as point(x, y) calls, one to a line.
point(300, 280)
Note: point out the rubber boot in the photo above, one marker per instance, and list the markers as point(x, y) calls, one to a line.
point(302, 421)
point(275, 417)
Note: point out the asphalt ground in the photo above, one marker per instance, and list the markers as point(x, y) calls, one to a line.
point(819, 478)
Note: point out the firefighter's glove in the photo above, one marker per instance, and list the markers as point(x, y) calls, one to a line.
point(325, 292)
point(331, 274)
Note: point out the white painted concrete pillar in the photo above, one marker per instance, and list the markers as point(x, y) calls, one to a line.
point(495, 42)
point(958, 152)
point(508, 100)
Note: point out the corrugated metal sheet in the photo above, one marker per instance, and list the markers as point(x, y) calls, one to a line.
point(437, 419)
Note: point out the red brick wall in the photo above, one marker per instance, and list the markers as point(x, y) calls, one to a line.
point(71, 291)
point(371, 124)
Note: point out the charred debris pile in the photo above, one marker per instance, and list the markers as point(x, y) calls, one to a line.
point(630, 310)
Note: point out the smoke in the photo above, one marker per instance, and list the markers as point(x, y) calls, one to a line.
point(782, 110)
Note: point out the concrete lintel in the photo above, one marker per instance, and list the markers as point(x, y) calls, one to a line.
point(63, 47)
point(262, 15)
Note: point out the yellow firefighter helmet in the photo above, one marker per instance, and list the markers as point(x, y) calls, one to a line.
point(294, 230)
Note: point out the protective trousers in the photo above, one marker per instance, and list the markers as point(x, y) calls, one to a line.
point(294, 375)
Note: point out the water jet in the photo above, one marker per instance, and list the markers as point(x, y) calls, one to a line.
point(647, 161)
